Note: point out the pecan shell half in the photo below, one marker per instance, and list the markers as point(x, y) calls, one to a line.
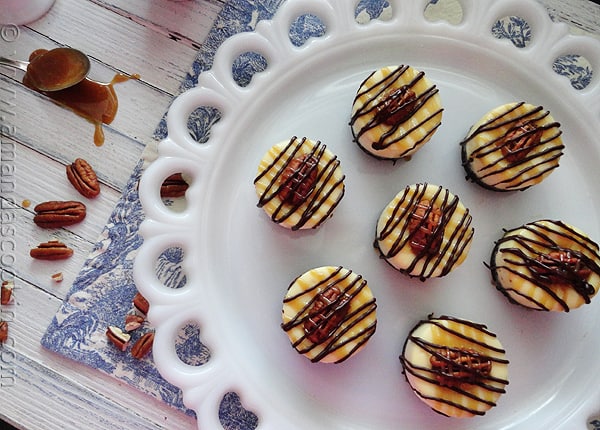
point(51, 250)
point(56, 214)
point(83, 178)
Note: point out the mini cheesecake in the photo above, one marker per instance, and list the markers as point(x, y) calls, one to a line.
point(546, 265)
point(329, 314)
point(425, 231)
point(299, 183)
point(395, 112)
point(457, 367)
point(513, 147)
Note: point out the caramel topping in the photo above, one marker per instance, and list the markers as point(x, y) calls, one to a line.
point(57, 69)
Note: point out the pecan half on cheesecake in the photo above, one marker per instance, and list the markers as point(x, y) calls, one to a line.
point(299, 183)
point(512, 147)
point(457, 367)
point(329, 314)
point(424, 232)
point(546, 265)
point(397, 109)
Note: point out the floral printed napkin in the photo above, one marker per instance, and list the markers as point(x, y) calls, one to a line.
point(102, 293)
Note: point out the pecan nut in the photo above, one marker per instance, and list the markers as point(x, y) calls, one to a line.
point(519, 140)
point(173, 186)
point(83, 178)
point(140, 303)
point(425, 227)
point(397, 106)
point(117, 337)
point(143, 345)
point(456, 366)
point(560, 267)
point(56, 214)
point(6, 292)
point(133, 322)
point(51, 250)
point(298, 179)
point(327, 311)
point(3, 331)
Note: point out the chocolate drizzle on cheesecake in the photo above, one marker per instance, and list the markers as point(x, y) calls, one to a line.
point(520, 140)
point(397, 107)
point(465, 369)
point(526, 151)
point(457, 366)
point(391, 102)
point(291, 171)
point(539, 254)
point(329, 308)
point(426, 229)
point(437, 230)
point(321, 308)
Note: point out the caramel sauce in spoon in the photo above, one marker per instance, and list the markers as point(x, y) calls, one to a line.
point(58, 68)
point(95, 101)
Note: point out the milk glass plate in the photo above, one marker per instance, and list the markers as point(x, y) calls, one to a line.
point(238, 263)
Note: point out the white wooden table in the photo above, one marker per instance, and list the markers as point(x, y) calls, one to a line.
point(158, 39)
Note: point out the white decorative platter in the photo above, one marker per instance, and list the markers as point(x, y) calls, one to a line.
point(238, 264)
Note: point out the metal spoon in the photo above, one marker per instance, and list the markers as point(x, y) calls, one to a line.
point(53, 70)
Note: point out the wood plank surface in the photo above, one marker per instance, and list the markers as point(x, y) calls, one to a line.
point(41, 390)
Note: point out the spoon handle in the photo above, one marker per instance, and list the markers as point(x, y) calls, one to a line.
point(14, 63)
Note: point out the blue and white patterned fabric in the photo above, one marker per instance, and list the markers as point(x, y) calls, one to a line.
point(102, 293)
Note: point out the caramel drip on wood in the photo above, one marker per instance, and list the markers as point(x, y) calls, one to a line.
point(455, 243)
point(528, 162)
point(487, 383)
point(323, 189)
point(371, 108)
point(97, 102)
point(350, 286)
point(520, 259)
